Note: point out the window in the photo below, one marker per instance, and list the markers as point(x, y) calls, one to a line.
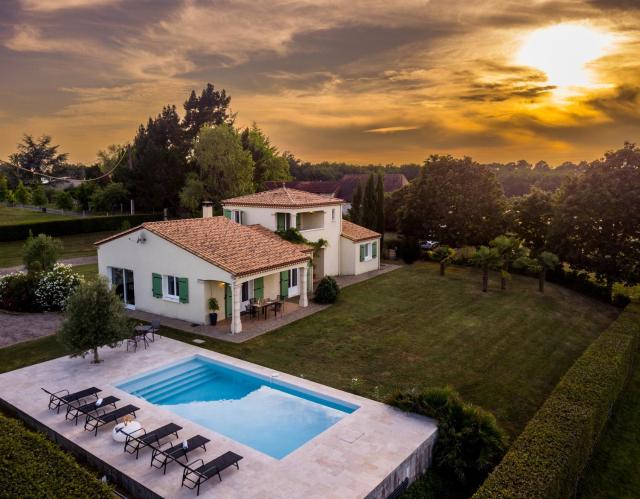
point(235, 215)
point(333, 214)
point(283, 221)
point(368, 251)
point(172, 288)
point(293, 278)
point(245, 291)
point(123, 285)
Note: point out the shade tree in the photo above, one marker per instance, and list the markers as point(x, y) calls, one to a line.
point(509, 249)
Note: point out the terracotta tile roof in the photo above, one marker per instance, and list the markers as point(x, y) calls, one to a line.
point(238, 249)
point(283, 197)
point(356, 232)
point(325, 187)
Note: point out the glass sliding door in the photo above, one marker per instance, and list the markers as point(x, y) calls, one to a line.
point(123, 285)
point(129, 290)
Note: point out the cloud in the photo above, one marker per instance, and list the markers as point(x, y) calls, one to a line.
point(54, 5)
point(392, 129)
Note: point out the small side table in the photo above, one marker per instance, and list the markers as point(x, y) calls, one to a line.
point(121, 430)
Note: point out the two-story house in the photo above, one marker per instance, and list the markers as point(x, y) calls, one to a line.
point(173, 268)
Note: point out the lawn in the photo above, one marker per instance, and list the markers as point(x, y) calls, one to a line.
point(11, 216)
point(411, 328)
point(89, 271)
point(76, 245)
point(614, 469)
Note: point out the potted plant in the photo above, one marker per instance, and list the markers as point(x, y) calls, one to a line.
point(213, 306)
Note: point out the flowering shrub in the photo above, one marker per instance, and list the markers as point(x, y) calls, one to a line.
point(55, 287)
point(17, 292)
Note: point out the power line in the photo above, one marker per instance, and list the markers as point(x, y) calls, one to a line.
point(18, 167)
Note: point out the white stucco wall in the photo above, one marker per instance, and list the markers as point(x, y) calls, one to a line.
point(350, 257)
point(159, 256)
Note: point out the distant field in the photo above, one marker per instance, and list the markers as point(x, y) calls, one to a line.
point(11, 216)
point(89, 271)
point(75, 246)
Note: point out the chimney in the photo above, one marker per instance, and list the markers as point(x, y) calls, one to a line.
point(207, 209)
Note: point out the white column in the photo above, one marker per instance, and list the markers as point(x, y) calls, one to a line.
point(302, 278)
point(236, 294)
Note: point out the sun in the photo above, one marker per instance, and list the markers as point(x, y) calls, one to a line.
point(563, 52)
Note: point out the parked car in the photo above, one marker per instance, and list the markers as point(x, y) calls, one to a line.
point(428, 244)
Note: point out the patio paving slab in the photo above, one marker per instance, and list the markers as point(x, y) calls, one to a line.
point(374, 445)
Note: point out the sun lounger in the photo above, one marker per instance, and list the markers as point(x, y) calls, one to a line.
point(140, 439)
point(193, 477)
point(63, 397)
point(75, 411)
point(161, 457)
point(95, 421)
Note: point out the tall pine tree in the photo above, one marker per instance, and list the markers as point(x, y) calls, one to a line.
point(370, 205)
point(380, 206)
point(356, 205)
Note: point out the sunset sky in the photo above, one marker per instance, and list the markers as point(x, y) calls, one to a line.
point(360, 81)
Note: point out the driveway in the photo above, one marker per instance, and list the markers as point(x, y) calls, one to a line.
point(16, 327)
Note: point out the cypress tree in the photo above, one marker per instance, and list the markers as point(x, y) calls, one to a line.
point(356, 205)
point(380, 204)
point(369, 205)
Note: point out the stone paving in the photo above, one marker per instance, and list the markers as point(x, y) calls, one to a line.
point(252, 328)
point(366, 454)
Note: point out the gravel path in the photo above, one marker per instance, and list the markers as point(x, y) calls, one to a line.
point(16, 327)
point(82, 260)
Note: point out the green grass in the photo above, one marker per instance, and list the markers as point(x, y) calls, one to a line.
point(412, 328)
point(77, 245)
point(89, 271)
point(11, 216)
point(614, 469)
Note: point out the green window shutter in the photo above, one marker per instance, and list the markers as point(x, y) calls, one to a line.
point(228, 301)
point(298, 220)
point(281, 224)
point(258, 288)
point(374, 249)
point(242, 221)
point(156, 285)
point(284, 283)
point(183, 289)
point(227, 213)
point(362, 252)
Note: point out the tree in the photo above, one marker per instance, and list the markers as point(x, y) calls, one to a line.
point(38, 196)
point(111, 198)
point(210, 109)
point(4, 188)
point(269, 164)
point(114, 156)
point(509, 249)
point(596, 224)
point(193, 193)
point(64, 201)
point(355, 212)
point(94, 317)
point(485, 258)
point(22, 194)
point(225, 168)
point(531, 217)
point(82, 194)
point(443, 255)
point(454, 201)
point(37, 155)
point(369, 216)
point(41, 252)
point(380, 199)
point(539, 265)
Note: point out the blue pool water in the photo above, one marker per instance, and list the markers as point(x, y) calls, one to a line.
point(269, 415)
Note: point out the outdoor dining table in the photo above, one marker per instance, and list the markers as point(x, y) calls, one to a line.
point(263, 307)
point(145, 330)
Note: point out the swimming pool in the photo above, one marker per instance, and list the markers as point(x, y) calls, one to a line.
point(262, 412)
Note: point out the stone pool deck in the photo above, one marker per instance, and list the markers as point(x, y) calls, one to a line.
point(366, 454)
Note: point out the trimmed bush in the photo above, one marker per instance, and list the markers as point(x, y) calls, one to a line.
point(327, 291)
point(80, 225)
point(549, 455)
point(470, 441)
point(18, 292)
point(32, 466)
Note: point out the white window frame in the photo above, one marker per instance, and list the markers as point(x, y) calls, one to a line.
point(368, 252)
point(236, 216)
point(165, 288)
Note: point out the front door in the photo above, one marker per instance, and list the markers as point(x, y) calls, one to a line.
point(294, 288)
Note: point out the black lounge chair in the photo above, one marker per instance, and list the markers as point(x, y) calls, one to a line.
point(140, 439)
point(74, 412)
point(193, 477)
point(95, 421)
point(63, 397)
point(161, 457)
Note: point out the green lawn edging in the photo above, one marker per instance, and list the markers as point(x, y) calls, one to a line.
point(548, 457)
point(79, 225)
point(33, 466)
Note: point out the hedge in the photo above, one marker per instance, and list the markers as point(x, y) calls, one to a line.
point(80, 225)
point(32, 466)
point(547, 459)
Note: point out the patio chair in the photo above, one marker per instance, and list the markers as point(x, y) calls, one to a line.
point(161, 457)
point(253, 311)
point(140, 439)
point(63, 397)
point(135, 339)
point(95, 421)
point(155, 328)
point(74, 412)
point(193, 477)
point(280, 300)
